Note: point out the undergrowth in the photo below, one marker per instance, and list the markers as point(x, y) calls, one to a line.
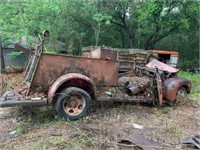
point(195, 78)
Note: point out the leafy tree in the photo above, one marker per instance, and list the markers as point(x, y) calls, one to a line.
point(124, 18)
point(159, 19)
point(18, 20)
point(147, 24)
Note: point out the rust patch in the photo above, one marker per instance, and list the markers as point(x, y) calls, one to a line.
point(101, 72)
point(171, 86)
point(70, 80)
point(134, 85)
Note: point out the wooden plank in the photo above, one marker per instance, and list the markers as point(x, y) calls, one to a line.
point(24, 49)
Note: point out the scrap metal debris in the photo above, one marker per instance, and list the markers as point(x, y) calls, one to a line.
point(137, 126)
point(134, 85)
point(194, 141)
point(161, 66)
point(144, 143)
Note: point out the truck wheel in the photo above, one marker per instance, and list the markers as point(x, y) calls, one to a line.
point(181, 96)
point(73, 103)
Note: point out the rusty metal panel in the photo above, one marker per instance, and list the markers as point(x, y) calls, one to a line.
point(164, 52)
point(144, 143)
point(73, 79)
point(161, 66)
point(104, 53)
point(51, 66)
point(28, 51)
point(108, 54)
point(171, 86)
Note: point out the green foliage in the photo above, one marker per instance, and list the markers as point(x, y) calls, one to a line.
point(16, 54)
point(192, 77)
point(159, 19)
point(149, 24)
point(188, 63)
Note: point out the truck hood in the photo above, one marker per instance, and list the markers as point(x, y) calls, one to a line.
point(161, 66)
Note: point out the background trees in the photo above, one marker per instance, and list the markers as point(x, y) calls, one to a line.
point(145, 24)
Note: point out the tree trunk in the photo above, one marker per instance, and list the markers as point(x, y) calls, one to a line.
point(128, 33)
point(130, 39)
point(150, 45)
point(2, 58)
point(122, 38)
point(123, 24)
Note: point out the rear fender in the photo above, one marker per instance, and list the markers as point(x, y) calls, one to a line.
point(71, 80)
point(172, 85)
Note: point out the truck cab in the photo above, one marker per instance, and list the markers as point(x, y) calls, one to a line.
point(167, 57)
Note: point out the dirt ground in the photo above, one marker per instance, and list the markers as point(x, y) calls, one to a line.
point(101, 129)
point(40, 128)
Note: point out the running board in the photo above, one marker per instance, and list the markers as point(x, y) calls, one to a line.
point(11, 103)
point(140, 100)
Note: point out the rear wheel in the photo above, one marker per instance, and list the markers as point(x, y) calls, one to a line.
point(73, 103)
point(181, 96)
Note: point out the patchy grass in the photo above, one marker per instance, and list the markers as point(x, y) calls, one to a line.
point(104, 127)
point(195, 79)
point(107, 123)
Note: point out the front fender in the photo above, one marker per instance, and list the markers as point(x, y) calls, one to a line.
point(172, 85)
point(66, 79)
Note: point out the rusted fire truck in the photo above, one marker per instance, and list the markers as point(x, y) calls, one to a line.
point(71, 83)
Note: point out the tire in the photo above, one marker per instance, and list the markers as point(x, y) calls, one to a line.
point(181, 97)
point(73, 103)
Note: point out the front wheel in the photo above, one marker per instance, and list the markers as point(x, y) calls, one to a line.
point(181, 96)
point(73, 103)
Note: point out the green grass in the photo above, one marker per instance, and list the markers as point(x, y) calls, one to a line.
point(195, 79)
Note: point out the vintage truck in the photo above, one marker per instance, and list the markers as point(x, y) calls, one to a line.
point(72, 82)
